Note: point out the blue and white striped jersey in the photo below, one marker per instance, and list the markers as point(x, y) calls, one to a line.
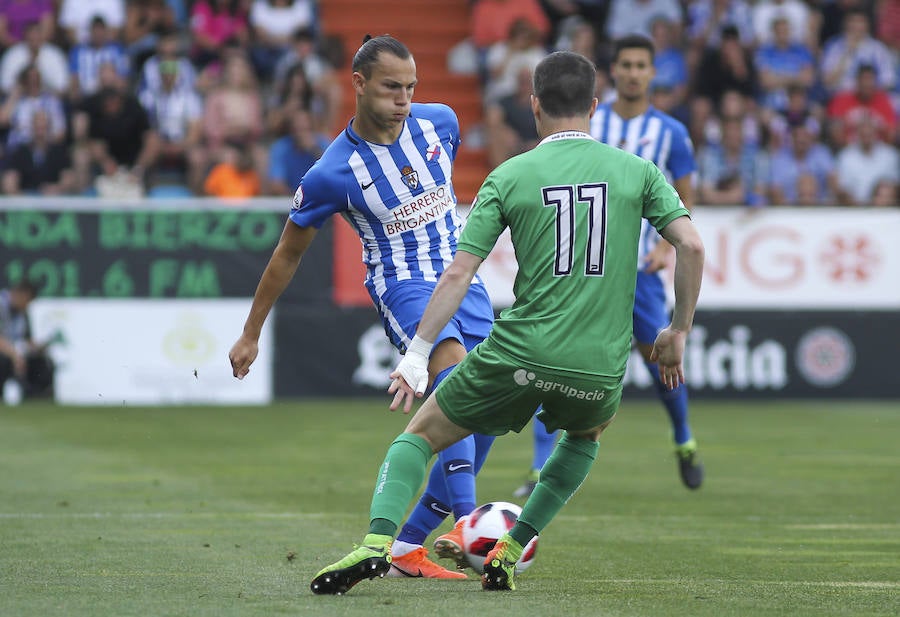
point(654, 136)
point(398, 196)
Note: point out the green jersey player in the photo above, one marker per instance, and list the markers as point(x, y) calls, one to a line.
point(574, 208)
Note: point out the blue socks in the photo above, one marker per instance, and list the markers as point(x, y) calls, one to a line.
point(676, 403)
point(544, 443)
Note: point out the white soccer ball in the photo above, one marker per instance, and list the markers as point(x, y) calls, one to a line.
point(484, 526)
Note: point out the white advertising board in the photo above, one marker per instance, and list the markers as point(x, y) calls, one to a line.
point(776, 258)
point(151, 352)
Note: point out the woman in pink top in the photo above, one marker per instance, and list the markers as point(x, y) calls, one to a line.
point(215, 22)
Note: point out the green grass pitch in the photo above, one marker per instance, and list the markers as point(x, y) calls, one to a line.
point(229, 511)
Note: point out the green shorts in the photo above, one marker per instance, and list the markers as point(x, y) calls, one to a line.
point(491, 393)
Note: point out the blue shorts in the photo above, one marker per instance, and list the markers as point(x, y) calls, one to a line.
point(650, 314)
point(402, 305)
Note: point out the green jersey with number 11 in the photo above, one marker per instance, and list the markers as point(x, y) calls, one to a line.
point(574, 208)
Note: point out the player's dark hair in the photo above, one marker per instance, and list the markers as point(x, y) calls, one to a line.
point(633, 41)
point(367, 56)
point(564, 84)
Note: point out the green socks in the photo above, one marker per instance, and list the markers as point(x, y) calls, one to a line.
point(561, 476)
point(399, 477)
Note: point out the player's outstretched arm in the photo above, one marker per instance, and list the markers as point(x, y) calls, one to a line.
point(410, 378)
point(280, 270)
point(668, 350)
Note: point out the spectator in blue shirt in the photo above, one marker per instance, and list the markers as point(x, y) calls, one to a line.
point(805, 162)
point(85, 60)
point(734, 171)
point(782, 63)
point(292, 155)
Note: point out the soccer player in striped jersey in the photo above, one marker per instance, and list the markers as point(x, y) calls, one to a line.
point(632, 124)
point(389, 175)
point(574, 208)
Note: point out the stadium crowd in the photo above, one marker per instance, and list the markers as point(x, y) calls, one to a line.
point(787, 102)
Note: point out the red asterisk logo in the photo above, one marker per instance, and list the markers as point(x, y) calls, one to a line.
point(850, 258)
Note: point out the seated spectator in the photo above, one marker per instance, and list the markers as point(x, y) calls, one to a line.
point(669, 61)
point(733, 105)
point(636, 16)
point(327, 91)
point(28, 98)
point(213, 22)
point(75, 16)
point(707, 18)
point(523, 48)
point(509, 122)
point(40, 165)
point(799, 109)
point(168, 47)
point(844, 54)
point(782, 63)
point(15, 15)
point(664, 98)
point(809, 192)
point(121, 139)
point(733, 172)
point(272, 23)
point(728, 68)
point(145, 22)
point(85, 60)
point(847, 108)
point(864, 163)
point(491, 20)
point(803, 23)
point(176, 115)
point(295, 94)
point(887, 194)
point(803, 156)
point(291, 156)
point(234, 112)
point(235, 176)
point(35, 50)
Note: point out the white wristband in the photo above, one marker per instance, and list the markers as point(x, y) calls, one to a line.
point(420, 346)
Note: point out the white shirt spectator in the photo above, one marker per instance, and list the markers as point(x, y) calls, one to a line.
point(151, 80)
point(77, 15)
point(171, 113)
point(51, 63)
point(869, 51)
point(794, 11)
point(635, 16)
point(859, 171)
point(282, 21)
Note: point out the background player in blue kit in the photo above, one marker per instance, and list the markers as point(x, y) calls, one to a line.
point(632, 124)
point(388, 174)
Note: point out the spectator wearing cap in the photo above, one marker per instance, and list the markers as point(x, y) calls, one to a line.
point(864, 163)
point(15, 15)
point(804, 157)
point(845, 53)
point(85, 60)
point(866, 99)
point(35, 50)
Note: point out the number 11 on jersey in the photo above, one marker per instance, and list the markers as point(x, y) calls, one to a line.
point(564, 198)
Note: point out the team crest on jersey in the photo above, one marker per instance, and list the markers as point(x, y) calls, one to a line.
point(298, 198)
point(410, 177)
point(434, 152)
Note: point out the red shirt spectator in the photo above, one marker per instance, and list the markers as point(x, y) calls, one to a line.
point(849, 107)
point(492, 19)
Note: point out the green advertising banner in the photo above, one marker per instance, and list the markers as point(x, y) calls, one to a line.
point(211, 250)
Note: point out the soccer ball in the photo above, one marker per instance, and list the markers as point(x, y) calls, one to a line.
point(484, 526)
